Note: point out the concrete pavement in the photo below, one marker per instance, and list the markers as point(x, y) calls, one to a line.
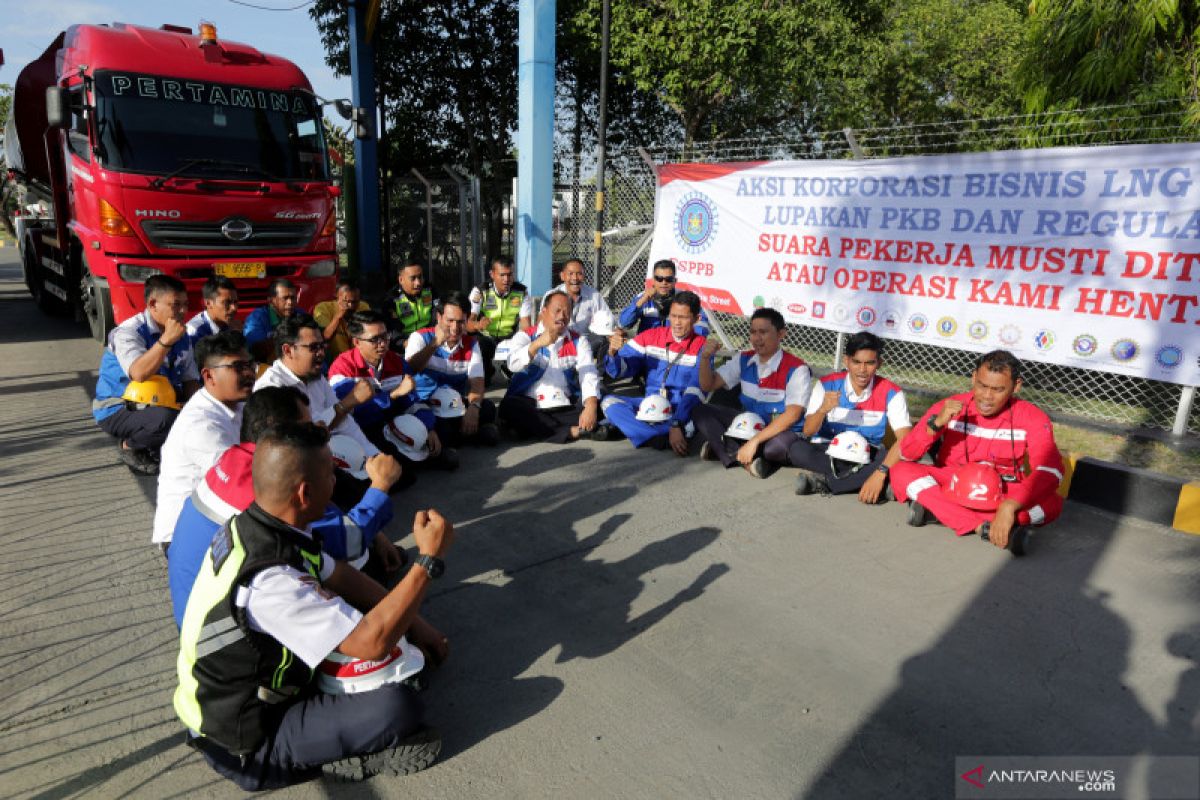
point(623, 624)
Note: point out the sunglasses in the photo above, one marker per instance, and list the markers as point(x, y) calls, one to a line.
point(665, 278)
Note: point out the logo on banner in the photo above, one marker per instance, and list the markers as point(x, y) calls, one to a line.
point(1169, 356)
point(865, 316)
point(776, 302)
point(1125, 350)
point(978, 330)
point(946, 326)
point(841, 313)
point(818, 310)
point(1044, 340)
point(797, 308)
point(1010, 335)
point(758, 301)
point(695, 222)
point(891, 320)
point(1085, 345)
point(917, 323)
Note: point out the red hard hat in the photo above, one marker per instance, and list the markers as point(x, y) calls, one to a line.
point(976, 486)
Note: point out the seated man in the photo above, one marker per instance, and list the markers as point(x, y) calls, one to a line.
point(498, 310)
point(410, 304)
point(591, 317)
point(771, 383)
point(153, 342)
point(444, 356)
point(395, 390)
point(220, 310)
point(855, 399)
point(988, 425)
point(261, 324)
point(650, 308)
point(207, 426)
point(333, 315)
point(553, 369)
point(265, 611)
point(668, 358)
point(301, 348)
point(227, 489)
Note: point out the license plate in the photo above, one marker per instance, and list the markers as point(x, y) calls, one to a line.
point(241, 269)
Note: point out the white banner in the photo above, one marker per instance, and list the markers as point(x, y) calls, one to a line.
point(1086, 257)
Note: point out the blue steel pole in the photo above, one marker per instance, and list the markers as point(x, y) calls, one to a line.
point(535, 144)
point(366, 156)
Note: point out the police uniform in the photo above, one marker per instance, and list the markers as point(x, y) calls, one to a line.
point(407, 315)
point(1018, 443)
point(503, 313)
point(144, 428)
point(671, 368)
point(568, 365)
point(766, 389)
point(870, 413)
point(258, 623)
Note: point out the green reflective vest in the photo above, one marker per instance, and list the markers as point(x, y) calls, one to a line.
point(229, 675)
point(414, 315)
point(503, 313)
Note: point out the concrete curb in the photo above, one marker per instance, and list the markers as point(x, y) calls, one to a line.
point(1133, 492)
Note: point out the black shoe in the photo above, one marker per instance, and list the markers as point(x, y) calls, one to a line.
point(489, 434)
point(604, 432)
point(758, 467)
point(917, 514)
point(1018, 540)
point(888, 494)
point(707, 453)
point(411, 754)
point(140, 462)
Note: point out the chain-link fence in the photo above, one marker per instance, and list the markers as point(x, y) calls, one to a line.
point(1062, 391)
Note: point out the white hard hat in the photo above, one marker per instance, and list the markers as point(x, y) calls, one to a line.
point(348, 455)
point(409, 435)
point(341, 674)
point(848, 447)
point(550, 395)
point(745, 425)
point(446, 403)
point(654, 408)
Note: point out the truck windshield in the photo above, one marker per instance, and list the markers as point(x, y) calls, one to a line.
point(157, 125)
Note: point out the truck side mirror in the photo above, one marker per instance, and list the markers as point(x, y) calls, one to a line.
point(58, 112)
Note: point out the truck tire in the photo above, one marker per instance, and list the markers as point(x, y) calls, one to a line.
point(97, 305)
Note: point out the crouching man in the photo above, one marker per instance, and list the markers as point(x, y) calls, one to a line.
point(265, 611)
point(998, 468)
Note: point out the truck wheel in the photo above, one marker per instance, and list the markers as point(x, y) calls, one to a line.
point(97, 306)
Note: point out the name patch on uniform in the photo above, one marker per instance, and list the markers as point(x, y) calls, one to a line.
point(221, 546)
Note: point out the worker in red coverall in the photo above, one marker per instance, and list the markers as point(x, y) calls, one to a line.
point(987, 425)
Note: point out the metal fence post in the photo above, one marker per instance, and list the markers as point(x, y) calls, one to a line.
point(839, 350)
point(1184, 411)
point(462, 225)
point(853, 142)
point(475, 244)
point(428, 221)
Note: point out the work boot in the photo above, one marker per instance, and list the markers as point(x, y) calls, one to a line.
point(758, 467)
point(139, 461)
point(707, 453)
point(411, 754)
point(918, 515)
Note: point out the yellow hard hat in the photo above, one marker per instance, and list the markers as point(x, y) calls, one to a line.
point(154, 391)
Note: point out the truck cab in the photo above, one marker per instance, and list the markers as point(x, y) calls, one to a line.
point(160, 151)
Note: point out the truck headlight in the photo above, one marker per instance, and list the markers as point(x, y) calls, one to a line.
point(322, 269)
point(132, 273)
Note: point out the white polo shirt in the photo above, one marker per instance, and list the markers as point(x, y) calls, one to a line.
point(204, 429)
point(321, 400)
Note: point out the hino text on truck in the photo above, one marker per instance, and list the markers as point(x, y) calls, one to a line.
point(139, 151)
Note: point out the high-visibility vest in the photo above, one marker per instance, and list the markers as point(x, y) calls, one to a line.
point(414, 315)
point(229, 675)
point(503, 313)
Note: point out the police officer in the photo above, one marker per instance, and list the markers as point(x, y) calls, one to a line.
point(409, 306)
point(498, 310)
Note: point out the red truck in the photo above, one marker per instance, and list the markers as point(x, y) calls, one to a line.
point(139, 151)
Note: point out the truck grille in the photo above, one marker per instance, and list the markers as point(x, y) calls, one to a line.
point(172, 235)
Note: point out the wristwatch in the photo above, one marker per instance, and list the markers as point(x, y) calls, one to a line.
point(884, 469)
point(432, 564)
point(931, 423)
point(676, 424)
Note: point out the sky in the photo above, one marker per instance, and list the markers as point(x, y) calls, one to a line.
point(26, 28)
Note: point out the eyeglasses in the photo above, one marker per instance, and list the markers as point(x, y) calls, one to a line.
point(314, 347)
point(375, 340)
point(665, 278)
point(238, 366)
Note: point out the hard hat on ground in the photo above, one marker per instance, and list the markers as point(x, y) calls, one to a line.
point(551, 396)
point(154, 391)
point(745, 425)
point(654, 408)
point(348, 455)
point(446, 403)
point(409, 435)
